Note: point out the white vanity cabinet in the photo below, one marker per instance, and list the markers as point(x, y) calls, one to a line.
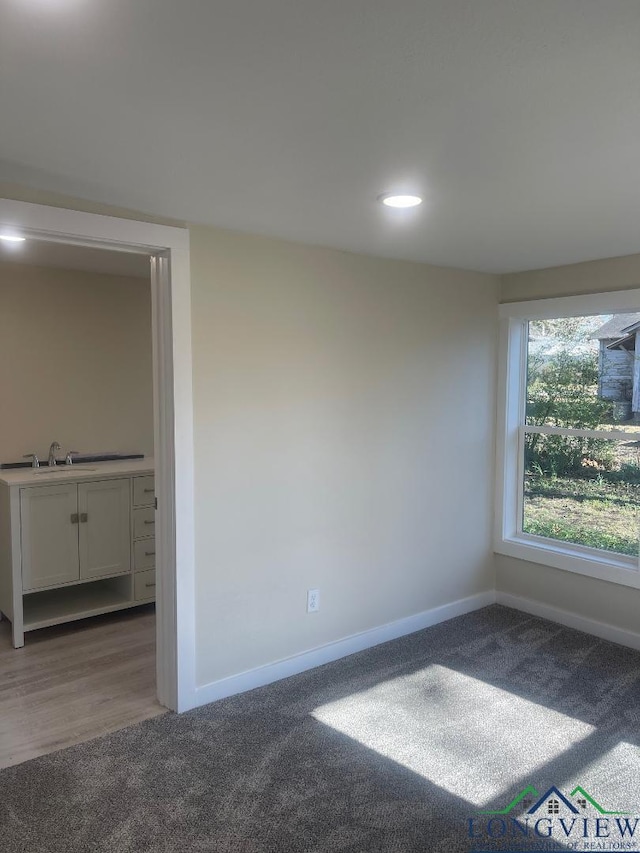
point(48, 535)
point(74, 531)
point(75, 547)
point(144, 539)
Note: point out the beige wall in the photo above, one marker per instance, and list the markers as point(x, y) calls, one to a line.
point(344, 411)
point(594, 599)
point(572, 280)
point(344, 416)
point(75, 361)
point(33, 195)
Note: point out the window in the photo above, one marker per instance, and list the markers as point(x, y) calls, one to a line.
point(568, 489)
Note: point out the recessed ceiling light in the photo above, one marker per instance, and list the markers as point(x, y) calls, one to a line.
point(12, 238)
point(393, 200)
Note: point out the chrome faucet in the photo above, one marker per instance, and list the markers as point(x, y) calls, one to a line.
point(52, 453)
point(35, 462)
point(69, 457)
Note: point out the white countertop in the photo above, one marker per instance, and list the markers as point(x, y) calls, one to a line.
point(72, 473)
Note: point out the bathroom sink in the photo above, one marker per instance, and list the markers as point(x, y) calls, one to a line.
point(62, 469)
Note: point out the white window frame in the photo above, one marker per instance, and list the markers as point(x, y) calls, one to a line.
point(509, 539)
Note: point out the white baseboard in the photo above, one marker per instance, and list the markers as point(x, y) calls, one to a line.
point(341, 648)
point(572, 620)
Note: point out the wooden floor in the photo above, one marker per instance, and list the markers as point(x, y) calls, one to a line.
point(74, 682)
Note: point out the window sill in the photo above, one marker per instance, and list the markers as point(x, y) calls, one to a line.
point(607, 567)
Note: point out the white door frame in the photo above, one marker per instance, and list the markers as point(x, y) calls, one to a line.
point(173, 415)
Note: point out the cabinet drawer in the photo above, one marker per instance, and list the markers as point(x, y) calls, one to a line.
point(144, 554)
point(144, 522)
point(144, 585)
point(144, 491)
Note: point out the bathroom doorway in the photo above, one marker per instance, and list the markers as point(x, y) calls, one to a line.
point(165, 252)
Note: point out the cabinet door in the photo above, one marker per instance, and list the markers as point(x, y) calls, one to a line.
point(105, 540)
point(49, 535)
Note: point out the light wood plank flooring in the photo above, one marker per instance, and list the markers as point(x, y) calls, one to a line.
point(74, 682)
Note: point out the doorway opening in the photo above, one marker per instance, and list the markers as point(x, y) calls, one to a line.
point(78, 581)
point(166, 251)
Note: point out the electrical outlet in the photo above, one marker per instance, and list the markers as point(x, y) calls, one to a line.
point(313, 600)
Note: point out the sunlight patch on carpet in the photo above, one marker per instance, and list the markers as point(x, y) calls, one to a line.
point(614, 772)
point(465, 735)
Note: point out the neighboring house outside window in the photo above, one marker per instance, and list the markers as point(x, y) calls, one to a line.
point(568, 485)
point(618, 367)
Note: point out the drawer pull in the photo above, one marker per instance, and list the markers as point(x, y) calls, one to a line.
point(149, 584)
point(75, 518)
point(84, 517)
point(149, 553)
point(149, 522)
point(146, 491)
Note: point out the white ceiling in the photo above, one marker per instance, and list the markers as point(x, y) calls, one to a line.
point(519, 120)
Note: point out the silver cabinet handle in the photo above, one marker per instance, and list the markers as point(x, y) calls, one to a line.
point(149, 584)
point(75, 518)
point(84, 517)
point(149, 522)
point(147, 491)
point(149, 553)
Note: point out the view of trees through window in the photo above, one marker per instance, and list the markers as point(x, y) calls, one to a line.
point(581, 479)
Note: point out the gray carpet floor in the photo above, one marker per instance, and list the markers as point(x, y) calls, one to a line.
point(392, 749)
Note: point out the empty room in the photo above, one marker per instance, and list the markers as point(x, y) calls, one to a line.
point(320, 435)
